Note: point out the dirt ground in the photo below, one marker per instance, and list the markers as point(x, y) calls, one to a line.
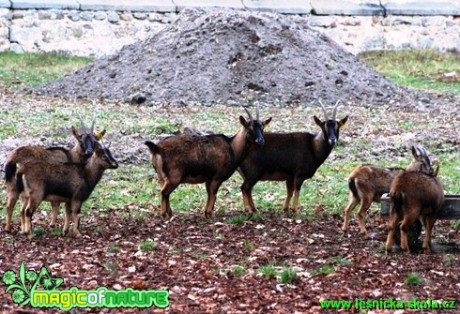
point(229, 57)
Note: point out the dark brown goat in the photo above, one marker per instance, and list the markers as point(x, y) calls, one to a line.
point(82, 150)
point(367, 183)
point(71, 183)
point(290, 157)
point(414, 195)
point(211, 159)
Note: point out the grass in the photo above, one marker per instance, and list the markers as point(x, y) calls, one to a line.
point(417, 68)
point(268, 270)
point(413, 279)
point(288, 275)
point(147, 246)
point(31, 69)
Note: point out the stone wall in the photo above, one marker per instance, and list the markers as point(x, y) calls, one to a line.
point(101, 27)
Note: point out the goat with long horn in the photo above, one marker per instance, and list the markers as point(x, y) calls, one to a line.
point(209, 159)
point(291, 157)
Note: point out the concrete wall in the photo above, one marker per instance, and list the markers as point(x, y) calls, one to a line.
point(101, 27)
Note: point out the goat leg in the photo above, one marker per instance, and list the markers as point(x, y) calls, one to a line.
point(290, 191)
point(68, 212)
point(428, 222)
point(246, 190)
point(76, 207)
point(11, 201)
point(211, 188)
point(54, 213)
point(353, 201)
point(365, 204)
point(166, 190)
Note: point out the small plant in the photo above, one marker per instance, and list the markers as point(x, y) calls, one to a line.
point(200, 255)
point(147, 246)
point(56, 232)
point(40, 231)
point(113, 248)
point(449, 259)
point(111, 266)
point(268, 270)
point(413, 279)
point(238, 270)
point(441, 240)
point(237, 220)
point(324, 270)
point(176, 251)
point(248, 245)
point(256, 217)
point(340, 260)
point(288, 275)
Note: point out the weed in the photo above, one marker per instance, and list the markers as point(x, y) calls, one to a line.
point(200, 255)
point(147, 246)
point(238, 270)
point(248, 245)
point(113, 248)
point(340, 260)
point(268, 270)
point(40, 231)
point(449, 259)
point(413, 279)
point(288, 275)
point(323, 270)
point(111, 266)
point(237, 220)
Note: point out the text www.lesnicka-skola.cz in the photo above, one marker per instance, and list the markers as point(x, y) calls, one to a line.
point(390, 303)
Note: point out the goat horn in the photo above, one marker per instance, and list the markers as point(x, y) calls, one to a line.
point(334, 112)
point(92, 122)
point(249, 114)
point(82, 122)
point(324, 110)
point(257, 110)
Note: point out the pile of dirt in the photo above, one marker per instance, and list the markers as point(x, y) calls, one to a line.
point(228, 56)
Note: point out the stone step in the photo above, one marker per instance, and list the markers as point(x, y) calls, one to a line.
point(279, 6)
point(347, 7)
point(45, 4)
point(123, 5)
point(442, 7)
point(182, 4)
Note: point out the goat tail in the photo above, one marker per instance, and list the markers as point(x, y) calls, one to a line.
point(19, 183)
point(152, 146)
point(10, 171)
point(398, 201)
point(353, 188)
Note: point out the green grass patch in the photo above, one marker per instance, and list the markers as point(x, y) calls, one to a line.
point(417, 68)
point(413, 279)
point(288, 275)
point(268, 270)
point(147, 246)
point(32, 69)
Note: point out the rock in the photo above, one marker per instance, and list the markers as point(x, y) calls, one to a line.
point(100, 16)
point(113, 17)
point(86, 16)
point(126, 17)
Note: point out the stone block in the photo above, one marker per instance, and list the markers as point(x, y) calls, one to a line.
point(287, 6)
point(123, 5)
point(45, 4)
point(433, 7)
point(183, 4)
point(5, 4)
point(346, 7)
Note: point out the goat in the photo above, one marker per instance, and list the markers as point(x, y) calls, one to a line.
point(290, 157)
point(71, 183)
point(367, 183)
point(211, 159)
point(414, 195)
point(82, 150)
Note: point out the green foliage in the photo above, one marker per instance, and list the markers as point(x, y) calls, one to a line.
point(113, 248)
point(413, 279)
point(32, 69)
point(237, 220)
point(39, 231)
point(238, 270)
point(147, 246)
point(323, 270)
point(268, 270)
point(288, 275)
point(416, 68)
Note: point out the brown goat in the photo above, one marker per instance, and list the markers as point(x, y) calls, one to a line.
point(290, 157)
point(414, 195)
point(71, 183)
point(367, 183)
point(82, 150)
point(211, 159)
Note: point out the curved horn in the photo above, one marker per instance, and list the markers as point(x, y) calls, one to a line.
point(334, 112)
point(92, 122)
point(324, 110)
point(249, 114)
point(257, 110)
point(82, 122)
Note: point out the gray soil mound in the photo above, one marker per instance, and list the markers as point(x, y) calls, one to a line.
point(227, 57)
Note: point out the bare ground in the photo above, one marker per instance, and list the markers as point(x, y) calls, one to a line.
point(194, 258)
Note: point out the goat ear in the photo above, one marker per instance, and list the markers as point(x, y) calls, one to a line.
point(100, 135)
point(243, 122)
point(75, 132)
point(318, 121)
point(343, 121)
point(266, 122)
